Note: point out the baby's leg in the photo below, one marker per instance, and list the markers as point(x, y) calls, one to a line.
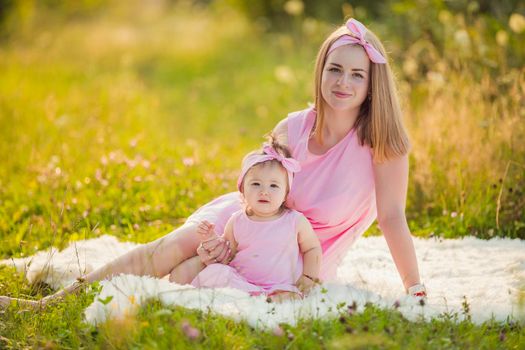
point(186, 271)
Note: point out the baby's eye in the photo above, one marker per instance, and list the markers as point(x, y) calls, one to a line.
point(255, 184)
point(274, 186)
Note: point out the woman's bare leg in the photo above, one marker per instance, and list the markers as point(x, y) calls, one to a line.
point(157, 258)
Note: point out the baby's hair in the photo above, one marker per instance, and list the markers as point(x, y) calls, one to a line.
point(276, 145)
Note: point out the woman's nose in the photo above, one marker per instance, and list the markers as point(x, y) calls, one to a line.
point(343, 80)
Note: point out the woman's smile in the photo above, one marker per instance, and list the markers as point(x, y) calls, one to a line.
point(340, 94)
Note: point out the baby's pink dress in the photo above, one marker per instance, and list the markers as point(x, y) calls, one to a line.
point(335, 191)
point(267, 258)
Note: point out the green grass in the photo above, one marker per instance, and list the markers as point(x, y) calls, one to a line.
point(124, 122)
point(155, 326)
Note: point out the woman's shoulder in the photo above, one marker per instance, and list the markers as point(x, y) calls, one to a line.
point(288, 130)
point(300, 115)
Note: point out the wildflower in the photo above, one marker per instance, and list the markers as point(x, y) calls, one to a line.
point(188, 161)
point(284, 74)
point(502, 38)
point(462, 38)
point(517, 23)
point(294, 7)
point(278, 331)
point(410, 67)
point(502, 336)
point(190, 332)
point(444, 16)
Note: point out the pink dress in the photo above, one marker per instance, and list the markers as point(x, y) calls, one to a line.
point(335, 191)
point(267, 259)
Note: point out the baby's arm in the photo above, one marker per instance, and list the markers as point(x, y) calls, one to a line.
point(310, 247)
point(206, 231)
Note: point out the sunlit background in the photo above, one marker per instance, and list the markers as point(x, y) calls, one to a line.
point(123, 117)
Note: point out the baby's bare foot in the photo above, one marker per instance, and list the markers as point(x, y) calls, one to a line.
point(279, 297)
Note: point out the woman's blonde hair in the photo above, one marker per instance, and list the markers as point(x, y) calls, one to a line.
point(379, 123)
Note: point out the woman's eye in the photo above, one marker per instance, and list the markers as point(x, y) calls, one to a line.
point(358, 76)
point(333, 69)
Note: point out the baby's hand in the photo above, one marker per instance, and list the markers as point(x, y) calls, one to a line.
point(305, 284)
point(206, 231)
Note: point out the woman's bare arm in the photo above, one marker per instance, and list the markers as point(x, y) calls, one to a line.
point(310, 247)
point(391, 183)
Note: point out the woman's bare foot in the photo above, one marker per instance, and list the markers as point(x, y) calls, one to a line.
point(4, 302)
point(26, 303)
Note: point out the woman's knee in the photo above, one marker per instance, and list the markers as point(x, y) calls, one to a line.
point(182, 242)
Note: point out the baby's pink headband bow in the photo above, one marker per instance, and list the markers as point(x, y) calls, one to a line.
point(290, 164)
point(358, 31)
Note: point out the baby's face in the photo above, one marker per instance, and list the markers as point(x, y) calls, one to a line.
point(264, 189)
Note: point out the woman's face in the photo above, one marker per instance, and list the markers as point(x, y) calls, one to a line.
point(345, 80)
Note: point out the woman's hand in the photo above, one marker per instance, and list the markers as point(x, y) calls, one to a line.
point(213, 248)
point(216, 250)
point(418, 291)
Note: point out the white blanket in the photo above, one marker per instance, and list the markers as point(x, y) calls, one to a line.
point(488, 275)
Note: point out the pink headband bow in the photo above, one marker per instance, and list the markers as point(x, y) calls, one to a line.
point(358, 31)
point(290, 164)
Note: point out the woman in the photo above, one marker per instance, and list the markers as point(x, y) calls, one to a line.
point(352, 148)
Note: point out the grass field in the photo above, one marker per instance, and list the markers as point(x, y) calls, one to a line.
point(124, 121)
